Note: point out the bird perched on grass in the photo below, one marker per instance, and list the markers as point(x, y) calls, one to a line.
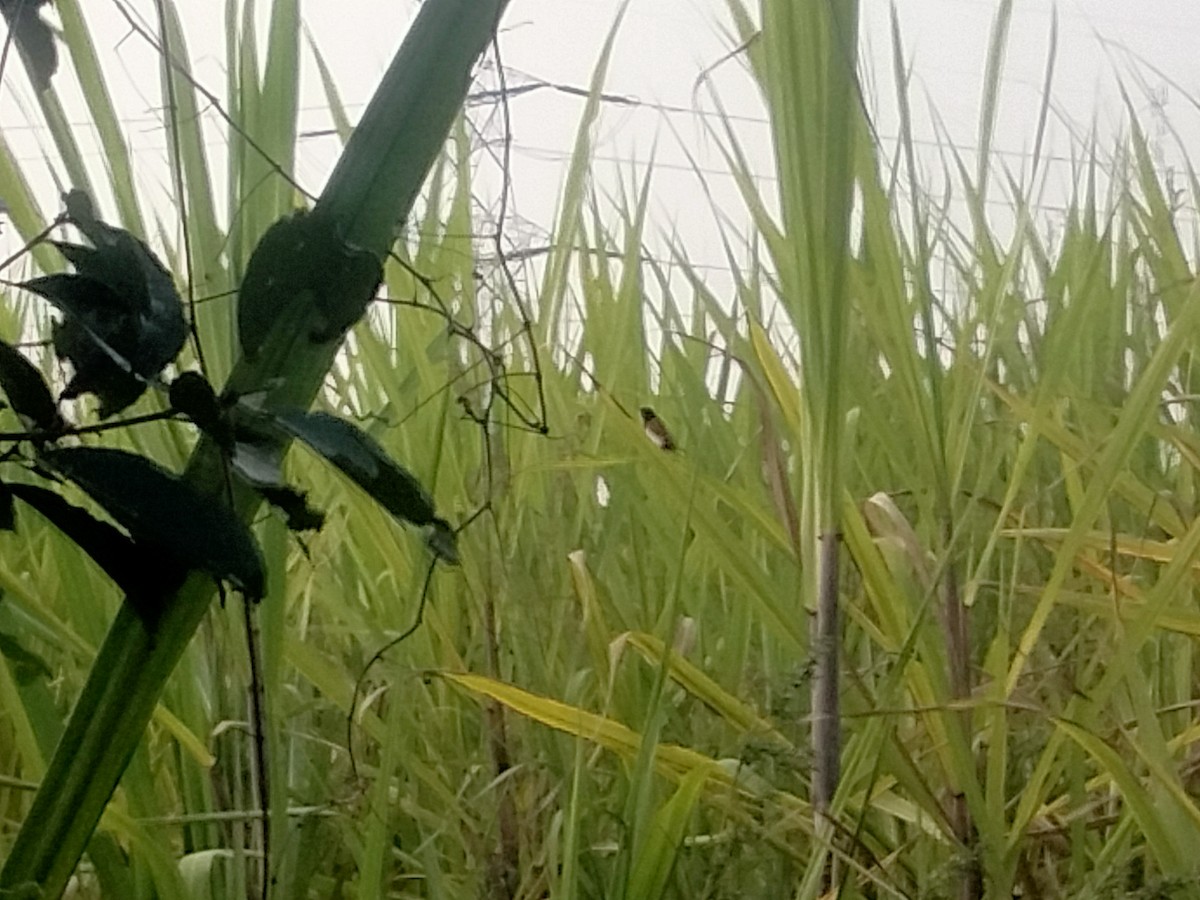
point(656, 430)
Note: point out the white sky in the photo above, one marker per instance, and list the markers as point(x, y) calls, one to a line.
point(662, 47)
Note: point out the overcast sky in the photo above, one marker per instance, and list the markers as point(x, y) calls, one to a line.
point(662, 46)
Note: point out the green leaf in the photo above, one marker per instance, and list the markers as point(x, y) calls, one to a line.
point(257, 462)
point(99, 370)
point(95, 323)
point(367, 464)
point(191, 394)
point(301, 257)
point(83, 297)
point(360, 457)
point(27, 391)
point(123, 319)
point(146, 575)
point(110, 269)
point(7, 520)
point(27, 665)
point(656, 856)
point(160, 510)
point(293, 503)
point(129, 267)
point(271, 283)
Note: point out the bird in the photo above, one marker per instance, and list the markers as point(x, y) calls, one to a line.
point(656, 430)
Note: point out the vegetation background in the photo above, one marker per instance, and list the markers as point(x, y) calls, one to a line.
point(610, 697)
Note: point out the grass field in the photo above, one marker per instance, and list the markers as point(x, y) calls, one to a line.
point(611, 697)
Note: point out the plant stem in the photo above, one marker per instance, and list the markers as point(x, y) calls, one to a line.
point(826, 725)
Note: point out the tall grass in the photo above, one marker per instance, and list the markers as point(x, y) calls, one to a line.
point(613, 692)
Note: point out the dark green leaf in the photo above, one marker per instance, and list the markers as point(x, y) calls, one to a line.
point(97, 370)
point(367, 464)
point(109, 269)
point(27, 665)
point(8, 521)
point(360, 457)
point(131, 270)
point(273, 280)
point(27, 391)
point(33, 37)
point(123, 320)
point(257, 462)
point(26, 890)
point(95, 335)
point(346, 281)
point(294, 505)
point(87, 299)
point(303, 256)
point(161, 510)
point(192, 395)
point(146, 574)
